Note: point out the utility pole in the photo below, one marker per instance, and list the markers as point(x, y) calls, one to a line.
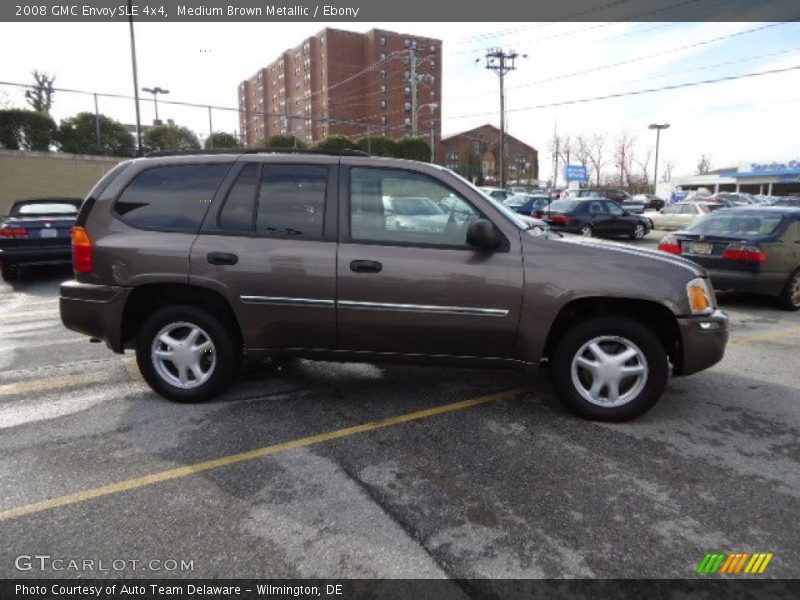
point(139, 151)
point(502, 62)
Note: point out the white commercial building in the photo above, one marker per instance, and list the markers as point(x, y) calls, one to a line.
point(771, 179)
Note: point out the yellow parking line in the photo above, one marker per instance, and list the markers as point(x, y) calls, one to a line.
point(153, 478)
point(54, 383)
point(765, 336)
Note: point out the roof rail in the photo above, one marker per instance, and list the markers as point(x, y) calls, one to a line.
point(345, 152)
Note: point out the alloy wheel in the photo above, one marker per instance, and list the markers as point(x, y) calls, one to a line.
point(183, 355)
point(609, 371)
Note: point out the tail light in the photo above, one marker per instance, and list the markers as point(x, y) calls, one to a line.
point(559, 219)
point(537, 214)
point(82, 251)
point(745, 253)
point(669, 243)
point(17, 233)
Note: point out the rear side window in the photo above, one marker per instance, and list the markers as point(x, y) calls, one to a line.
point(238, 211)
point(291, 201)
point(174, 197)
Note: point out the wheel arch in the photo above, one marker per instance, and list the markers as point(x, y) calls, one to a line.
point(650, 313)
point(146, 299)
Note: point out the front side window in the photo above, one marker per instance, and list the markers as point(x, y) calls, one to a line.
point(291, 201)
point(174, 197)
point(614, 208)
point(388, 205)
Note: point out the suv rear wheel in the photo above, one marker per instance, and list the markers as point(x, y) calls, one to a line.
point(186, 354)
point(609, 369)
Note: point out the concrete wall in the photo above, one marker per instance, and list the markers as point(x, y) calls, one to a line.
point(32, 174)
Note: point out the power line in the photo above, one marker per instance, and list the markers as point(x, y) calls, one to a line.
point(638, 92)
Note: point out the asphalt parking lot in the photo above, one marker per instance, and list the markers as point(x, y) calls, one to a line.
point(467, 473)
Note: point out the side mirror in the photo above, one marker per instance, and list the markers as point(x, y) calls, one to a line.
point(482, 234)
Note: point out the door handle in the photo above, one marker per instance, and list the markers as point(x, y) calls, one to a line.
point(365, 266)
point(222, 258)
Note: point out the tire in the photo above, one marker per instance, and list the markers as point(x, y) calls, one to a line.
point(639, 231)
point(586, 231)
point(790, 296)
point(637, 393)
point(217, 363)
point(9, 272)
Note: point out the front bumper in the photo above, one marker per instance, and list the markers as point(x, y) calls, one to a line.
point(94, 310)
point(703, 340)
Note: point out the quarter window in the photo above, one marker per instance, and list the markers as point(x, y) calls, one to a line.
point(291, 201)
point(398, 206)
point(174, 197)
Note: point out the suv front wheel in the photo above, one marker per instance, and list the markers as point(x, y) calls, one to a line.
point(186, 354)
point(609, 369)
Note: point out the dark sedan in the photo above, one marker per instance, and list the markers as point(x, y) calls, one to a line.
point(37, 233)
point(526, 204)
point(746, 249)
point(594, 217)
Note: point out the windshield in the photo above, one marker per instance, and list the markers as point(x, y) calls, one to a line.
point(737, 223)
point(46, 208)
point(517, 200)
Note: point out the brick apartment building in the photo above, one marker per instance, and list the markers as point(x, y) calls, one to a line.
point(344, 83)
point(475, 154)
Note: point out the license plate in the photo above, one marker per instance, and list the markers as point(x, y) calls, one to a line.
point(48, 233)
point(701, 248)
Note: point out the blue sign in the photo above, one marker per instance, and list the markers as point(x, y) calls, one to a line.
point(576, 173)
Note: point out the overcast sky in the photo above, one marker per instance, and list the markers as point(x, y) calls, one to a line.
point(754, 119)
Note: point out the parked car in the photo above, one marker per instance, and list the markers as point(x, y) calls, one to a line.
point(498, 194)
point(650, 201)
point(527, 204)
point(750, 249)
point(731, 199)
point(198, 261)
point(36, 233)
point(788, 201)
point(620, 197)
point(414, 213)
point(681, 215)
point(594, 217)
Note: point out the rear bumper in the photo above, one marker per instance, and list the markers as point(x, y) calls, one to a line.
point(703, 340)
point(44, 255)
point(771, 284)
point(94, 310)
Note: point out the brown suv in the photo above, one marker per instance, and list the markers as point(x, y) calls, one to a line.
point(197, 261)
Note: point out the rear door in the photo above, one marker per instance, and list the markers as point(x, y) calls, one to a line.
point(269, 245)
point(421, 289)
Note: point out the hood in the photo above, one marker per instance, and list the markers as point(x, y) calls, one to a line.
point(643, 253)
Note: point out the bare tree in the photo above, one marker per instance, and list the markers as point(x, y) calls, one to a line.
point(40, 96)
point(643, 162)
point(5, 101)
point(595, 151)
point(623, 156)
point(666, 174)
point(704, 165)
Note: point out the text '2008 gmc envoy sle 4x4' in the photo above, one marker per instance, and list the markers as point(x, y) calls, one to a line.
point(197, 261)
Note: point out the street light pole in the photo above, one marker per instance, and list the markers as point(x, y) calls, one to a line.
point(433, 106)
point(658, 127)
point(155, 91)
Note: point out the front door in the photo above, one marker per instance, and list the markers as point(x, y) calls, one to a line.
point(408, 283)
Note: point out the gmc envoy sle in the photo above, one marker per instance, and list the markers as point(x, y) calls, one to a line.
point(197, 261)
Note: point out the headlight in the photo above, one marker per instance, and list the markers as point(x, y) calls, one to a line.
point(701, 300)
